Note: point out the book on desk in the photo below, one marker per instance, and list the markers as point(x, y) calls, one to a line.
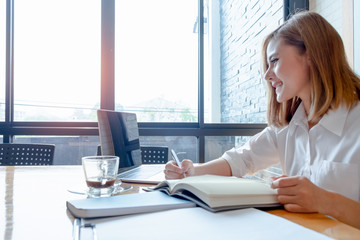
point(218, 193)
point(214, 193)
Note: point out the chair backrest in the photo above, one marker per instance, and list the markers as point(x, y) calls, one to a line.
point(2, 154)
point(150, 155)
point(154, 155)
point(13, 154)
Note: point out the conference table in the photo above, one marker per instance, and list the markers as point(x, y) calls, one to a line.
point(33, 205)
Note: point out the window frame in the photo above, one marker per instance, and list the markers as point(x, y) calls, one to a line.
point(200, 129)
point(356, 26)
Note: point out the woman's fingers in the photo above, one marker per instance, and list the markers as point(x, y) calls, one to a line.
point(173, 171)
point(292, 207)
point(275, 178)
point(287, 181)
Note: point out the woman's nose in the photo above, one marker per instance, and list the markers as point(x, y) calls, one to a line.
point(269, 75)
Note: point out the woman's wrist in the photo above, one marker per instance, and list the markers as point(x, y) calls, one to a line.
point(329, 203)
point(342, 208)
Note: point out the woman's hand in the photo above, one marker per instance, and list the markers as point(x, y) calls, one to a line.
point(299, 194)
point(172, 171)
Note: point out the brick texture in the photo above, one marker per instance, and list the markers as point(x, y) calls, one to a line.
point(243, 27)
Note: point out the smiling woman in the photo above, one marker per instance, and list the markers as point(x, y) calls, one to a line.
point(57, 60)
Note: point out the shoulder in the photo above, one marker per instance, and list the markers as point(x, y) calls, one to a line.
point(269, 134)
point(344, 121)
point(353, 118)
point(355, 110)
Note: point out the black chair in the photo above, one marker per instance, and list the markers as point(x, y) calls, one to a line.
point(154, 155)
point(149, 154)
point(14, 154)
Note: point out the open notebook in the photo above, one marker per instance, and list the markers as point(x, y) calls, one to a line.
point(119, 136)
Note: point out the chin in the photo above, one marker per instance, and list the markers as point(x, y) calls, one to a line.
point(280, 100)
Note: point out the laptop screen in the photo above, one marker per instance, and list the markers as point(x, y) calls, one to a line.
point(119, 136)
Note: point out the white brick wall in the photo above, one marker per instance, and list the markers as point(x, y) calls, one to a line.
point(331, 10)
point(243, 26)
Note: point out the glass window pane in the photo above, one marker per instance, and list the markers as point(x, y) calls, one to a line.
point(357, 37)
point(57, 60)
point(215, 146)
point(68, 149)
point(2, 58)
point(234, 91)
point(185, 147)
point(156, 59)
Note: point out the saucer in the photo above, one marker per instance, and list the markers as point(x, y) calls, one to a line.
point(119, 188)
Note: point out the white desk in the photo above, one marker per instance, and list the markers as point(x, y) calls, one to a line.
point(33, 205)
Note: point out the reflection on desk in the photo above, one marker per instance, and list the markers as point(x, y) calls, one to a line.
point(33, 205)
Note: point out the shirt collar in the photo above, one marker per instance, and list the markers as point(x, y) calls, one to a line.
point(333, 121)
point(299, 117)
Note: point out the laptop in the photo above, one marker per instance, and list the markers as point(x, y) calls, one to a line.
point(119, 136)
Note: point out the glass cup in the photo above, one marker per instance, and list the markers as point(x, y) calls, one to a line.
point(100, 174)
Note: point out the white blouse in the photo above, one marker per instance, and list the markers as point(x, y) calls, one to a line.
point(328, 154)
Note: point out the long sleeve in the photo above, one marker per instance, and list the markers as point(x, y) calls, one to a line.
point(260, 152)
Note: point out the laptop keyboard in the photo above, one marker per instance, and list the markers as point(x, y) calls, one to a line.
point(142, 172)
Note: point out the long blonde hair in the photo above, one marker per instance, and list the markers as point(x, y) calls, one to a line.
point(333, 83)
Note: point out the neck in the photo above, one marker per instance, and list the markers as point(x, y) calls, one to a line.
point(311, 124)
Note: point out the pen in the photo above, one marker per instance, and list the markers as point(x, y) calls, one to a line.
point(175, 157)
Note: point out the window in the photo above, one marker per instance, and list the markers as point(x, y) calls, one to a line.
point(357, 37)
point(234, 90)
point(156, 59)
point(215, 146)
point(57, 60)
point(2, 58)
point(184, 146)
point(182, 69)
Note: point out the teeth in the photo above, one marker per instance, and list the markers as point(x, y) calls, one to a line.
point(278, 87)
point(275, 85)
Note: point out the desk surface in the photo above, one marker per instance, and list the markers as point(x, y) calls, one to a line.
point(33, 205)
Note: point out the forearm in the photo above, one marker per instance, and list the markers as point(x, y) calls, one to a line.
point(342, 208)
point(216, 167)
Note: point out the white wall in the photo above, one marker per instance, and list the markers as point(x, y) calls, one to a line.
point(357, 36)
point(343, 15)
point(331, 10)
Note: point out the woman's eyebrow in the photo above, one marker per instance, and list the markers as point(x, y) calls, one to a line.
point(272, 55)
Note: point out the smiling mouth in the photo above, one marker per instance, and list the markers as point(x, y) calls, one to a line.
point(277, 84)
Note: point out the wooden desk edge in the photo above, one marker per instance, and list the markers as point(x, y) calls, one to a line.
point(320, 223)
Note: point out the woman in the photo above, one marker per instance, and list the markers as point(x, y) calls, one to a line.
point(314, 119)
